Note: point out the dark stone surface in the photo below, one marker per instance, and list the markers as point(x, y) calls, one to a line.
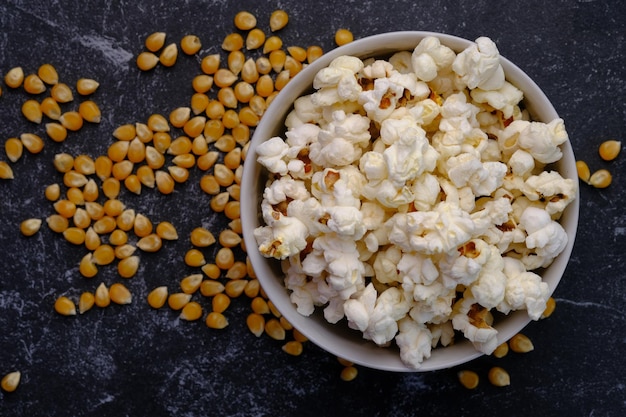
point(133, 361)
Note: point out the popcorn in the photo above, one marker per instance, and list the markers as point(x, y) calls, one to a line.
point(400, 201)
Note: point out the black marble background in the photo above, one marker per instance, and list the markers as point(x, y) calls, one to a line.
point(134, 361)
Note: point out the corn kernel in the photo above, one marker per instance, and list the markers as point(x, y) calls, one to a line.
point(209, 288)
point(274, 329)
point(252, 288)
point(499, 377)
point(293, 348)
point(194, 258)
point(155, 41)
point(256, 324)
point(255, 39)
point(278, 20)
point(30, 226)
point(150, 243)
point(85, 302)
point(178, 300)
point(220, 302)
point(191, 311)
point(92, 240)
point(520, 343)
point(343, 36)
point(158, 123)
point(61, 93)
point(14, 78)
point(124, 251)
point(349, 373)
point(207, 161)
point(65, 306)
point(10, 381)
point(105, 225)
point(103, 255)
point(87, 266)
point(201, 237)
point(199, 101)
point(550, 306)
point(224, 78)
point(57, 223)
point(32, 111)
point(164, 182)
point(501, 351)
point(212, 271)
point(103, 166)
point(210, 64)
point(244, 20)
point(259, 305)
point(133, 184)
point(102, 297)
point(179, 146)
point(50, 108)
point(154, 158)
point(249, 71)
point(53, 192)
point(178, 174)
point(126, 220)
point(74, 235)
point(232, 42)
point(157, 297)
point(190, 44)
point(167, 231)
point(234, 288)
point(216, 320)
point(34, 85)
point(119, 294)
point(609, 149)
point(145, 174)
point(33, 143)
point(235, 61)
point(602, 178)
point(128, 267)
point(186, 160)
point(168, 56)
point(191, 283)
point(86, 86)
point(90, 111)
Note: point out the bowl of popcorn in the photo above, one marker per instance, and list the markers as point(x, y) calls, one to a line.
point(410, 201)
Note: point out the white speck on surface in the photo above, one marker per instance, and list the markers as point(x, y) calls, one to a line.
point(619, 314)
point(114, 54)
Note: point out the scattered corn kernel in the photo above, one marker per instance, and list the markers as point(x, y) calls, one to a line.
point(90, 111)
point(166, 230)
point(216, 320)
point(255, 39)
point(343, 36)
point(34, 85)
point(499, 377)
point(102, 297)
point(244, 20)
point(191, 283)
point(157, 297)
point(235, 287)
point(61, 93)
point(64, 306)
point(278, 20)
point(501, 351)
point(178, 300)
point(232, 42)
point(293, 348)
point(274, 329)
point(150, 243)
point(30, 226)
point(469, 379)
point(11, 381)
point(14, 78)
point(520, 343)
point(86, 86)
point(609, 149)
point(31, 109)
point(6, 173)
point(348, 373)
point(209, 288)
point(194, 258)
point(210, 64)
point(212, 271)
point(168, 56)
point(33, 143)
point(220, 302)
point(256, 324)
point(191, 311)
point(128, 267)
point(85, 302)
point(119, 294)
point(190, 44)
point(550, 307)
point(602, 178)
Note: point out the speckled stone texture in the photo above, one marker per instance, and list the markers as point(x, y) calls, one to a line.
point(134, 361)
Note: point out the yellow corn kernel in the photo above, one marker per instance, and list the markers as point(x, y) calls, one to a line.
point(179, 116)
point(278, 20)
point(229, 239)
point(214, 111)
point(168, 56)
point(210, 64)
point(127, 267)
point(72, 120)
point(145, 174)
point(158, 123)
point(199, 146)
point(224, 78)
point(85, 302)
point(232, 210)
point(271, 97)
point(103, 255)
point(29, 227)
point(157, 297)
point(126, 132)
point(259, 305)
point(232, 159)
point(297, 52)
point(34, 85)
point(230, 120)
point(105, 225)
point(520, 343)
point(232, 42)
point(14, 148)
point(191, 283)
point(256, 324)
point(501, 351)
point(179, 146)
point(252, 288)
point(84, 164)
point(178, 300)
point(102, 297)
point(293, 348)
point(92, 239)
point(50, 108)
point(133, 184)
point(258, 105)
point(75, 195)
point(265, 85)
point(190, 44)
point(235, 193)
point(343, 36)
point(167, 231)
point(122, 169)
point(103, 166)
point(235, 61)
point(53, 192)
point(609, 149)
point(61, 93)
point(499, 377)
point(234, 288)
point(143, 132)
point(164, 182)
point(602, 178)
point(251, 272)
point(249, 71)
point(212, 271)
point(209, 288)
point(48, 74)
point(81, 218)
point(124, 251)
point(220, 302)
point(64, 306)
point(255, 39)
point(191, 311)
point(207, 161)
point(223, 175)
point(550, 307)
point(87, 267)
point(244, 20)
point(194, 258)
point(216, 320)
point(150, 243)
point(277, 60)
point(155, 41)
point(348, 373)
point(10, 381)
point(273, 309)
point(186, 161)
point(201, 237)
point(90, 111)
point(119, 294)
point(274, 329)
point(282, 79)
point(209, 184)
point(111, 187)
point(219, 201)
point(74, 179)
point(33, 143)
point(299, 336)
point(272, 43)
point(86, 86)
point(241, 132)
point(118, 237)
point(199, 101)
point(118, 150)
point(94, 209)
point(154, 158)
point(147, 61)
point(65, 208)
point(136, 151)
point(285, 323)
point(91, 191)
point(57, 223)
point(32, 111)
point(194, 126)
point(14, 78)
point(142, 226)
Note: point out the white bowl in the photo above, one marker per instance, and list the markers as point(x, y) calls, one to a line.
point(338, 339)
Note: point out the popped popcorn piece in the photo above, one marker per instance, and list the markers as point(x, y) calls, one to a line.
point(550, 186)
point(479, 65)
point(414, 340)
point(475, 323)
point(546, 236)
point(524, 290)
point(505, 99)
point(342, 141)
point(271, 153)
point(337, 82)
point(285, 236)
point(429, 57)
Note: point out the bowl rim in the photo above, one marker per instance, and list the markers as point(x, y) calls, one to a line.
point(324, 334)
